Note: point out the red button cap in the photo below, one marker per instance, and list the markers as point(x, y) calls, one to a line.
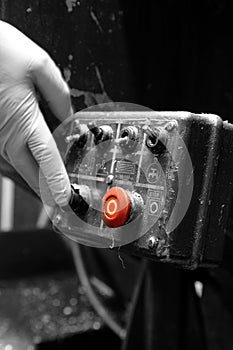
point(115, 207)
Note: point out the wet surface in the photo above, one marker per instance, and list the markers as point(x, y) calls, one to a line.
point(43, 308)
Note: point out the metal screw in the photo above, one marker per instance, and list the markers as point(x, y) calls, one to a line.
point(57, 219)
point(122, 140)
point(171, 125)
point(153, 242)
point(76, 126)
point(71, 138)
point(153, 134)
point(109, 179)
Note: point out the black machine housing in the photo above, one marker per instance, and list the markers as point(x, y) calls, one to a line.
point(163, 178)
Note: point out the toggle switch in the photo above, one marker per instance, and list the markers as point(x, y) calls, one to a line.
point(96, 131)
point(156, 139)
point(79, 199)
point(79, 135)
point(71, 138)
point(101, 134)
point(128, 139)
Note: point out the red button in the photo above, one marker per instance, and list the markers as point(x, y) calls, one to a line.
point(115, 207)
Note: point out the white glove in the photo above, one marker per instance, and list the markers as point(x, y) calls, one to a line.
point(24, 134)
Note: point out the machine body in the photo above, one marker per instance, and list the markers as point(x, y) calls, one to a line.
point(156, 184)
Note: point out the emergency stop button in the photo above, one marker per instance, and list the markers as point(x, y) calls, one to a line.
point(115, 207)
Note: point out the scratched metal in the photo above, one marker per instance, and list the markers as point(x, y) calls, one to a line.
point(87, 41)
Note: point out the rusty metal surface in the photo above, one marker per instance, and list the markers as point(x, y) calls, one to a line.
point(166, 55)
point(85, 38)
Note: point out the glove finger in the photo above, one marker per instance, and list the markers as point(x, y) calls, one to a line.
point(23, 162)
point(48, 79)
point(53, 174)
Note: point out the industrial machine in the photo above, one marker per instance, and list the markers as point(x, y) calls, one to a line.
point(153, 184)
point(182, 60)
point(153, 187)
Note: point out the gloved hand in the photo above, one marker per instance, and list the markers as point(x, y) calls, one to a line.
point(24, 135)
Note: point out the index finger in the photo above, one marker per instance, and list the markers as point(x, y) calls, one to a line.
point(48, 79)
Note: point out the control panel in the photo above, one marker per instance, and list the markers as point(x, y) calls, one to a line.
point(147, 182)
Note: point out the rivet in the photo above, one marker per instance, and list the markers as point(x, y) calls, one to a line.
point(57, 219)
point(152, 242)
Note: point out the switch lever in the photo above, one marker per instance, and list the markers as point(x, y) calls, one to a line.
point(102, 133)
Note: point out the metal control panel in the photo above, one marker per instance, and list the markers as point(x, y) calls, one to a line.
point(148, 179)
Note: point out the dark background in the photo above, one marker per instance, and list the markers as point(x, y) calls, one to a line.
point(164, 54)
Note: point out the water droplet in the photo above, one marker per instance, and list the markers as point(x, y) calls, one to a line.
point(8, 347)
point(73, 301)
point(45, 318)
point(72, 320)
point(96, 325)
point(67, 310)
point(36, 291)
point(56, 302)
